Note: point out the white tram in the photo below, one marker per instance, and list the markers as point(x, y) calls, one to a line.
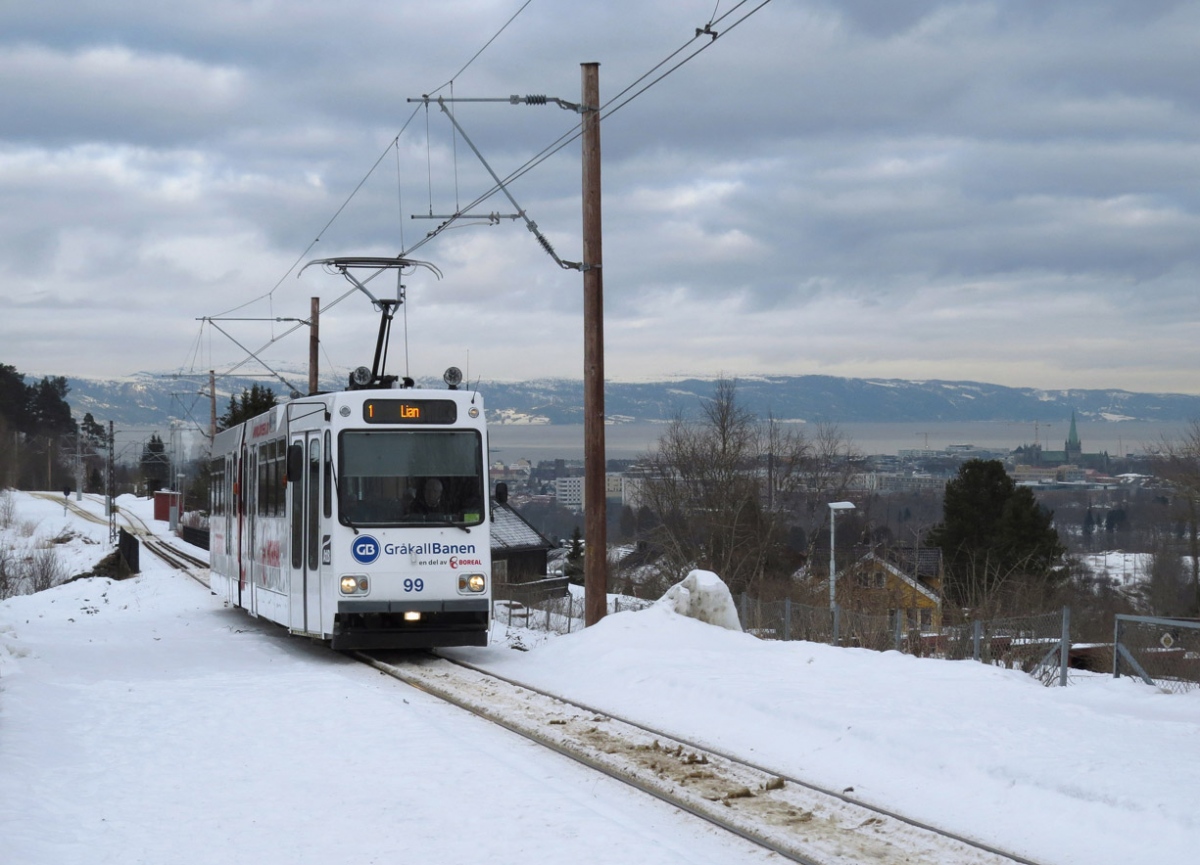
point(359, 517)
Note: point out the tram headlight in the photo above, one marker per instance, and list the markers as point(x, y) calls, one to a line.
point(354, 585)
point(471, 583)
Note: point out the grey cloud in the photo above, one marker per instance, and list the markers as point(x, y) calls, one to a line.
point(833, 185)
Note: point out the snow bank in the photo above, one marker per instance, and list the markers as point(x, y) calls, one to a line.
point(704, 596)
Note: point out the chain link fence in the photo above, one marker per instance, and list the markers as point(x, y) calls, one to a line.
point(1038, 644)
point(1162, 652)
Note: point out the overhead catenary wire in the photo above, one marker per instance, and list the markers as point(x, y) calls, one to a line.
point(615, 104)
point(327, 225)
point(394, 143)
point(623, 98)
point(485, 47)
point(302, 323)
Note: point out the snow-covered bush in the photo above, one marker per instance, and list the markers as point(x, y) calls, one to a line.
point(44, 570)
point(8, 571)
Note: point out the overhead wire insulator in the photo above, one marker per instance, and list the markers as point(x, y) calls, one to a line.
point(539, 99)
point(542, 239)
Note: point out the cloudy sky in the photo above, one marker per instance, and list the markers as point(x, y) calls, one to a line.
point(1003, 191)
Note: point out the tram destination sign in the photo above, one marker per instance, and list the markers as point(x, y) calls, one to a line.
point(410, 411)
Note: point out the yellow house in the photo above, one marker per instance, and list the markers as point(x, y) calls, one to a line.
point(891, 581)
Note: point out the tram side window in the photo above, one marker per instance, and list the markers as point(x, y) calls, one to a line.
point(264, 485)
point(270, 479)
point(217, 487)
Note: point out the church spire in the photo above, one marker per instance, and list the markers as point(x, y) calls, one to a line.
point(1074, 447)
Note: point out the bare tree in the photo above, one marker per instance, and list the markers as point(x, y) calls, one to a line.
point(1166, 589)
point(1178, 462)
point(8, 508)
point(724, 490)
point(9, 577)
point(994, 586)
point(45, 569)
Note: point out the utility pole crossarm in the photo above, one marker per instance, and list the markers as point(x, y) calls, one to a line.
point(265, 365)
point(542, 240)
point(534, 99)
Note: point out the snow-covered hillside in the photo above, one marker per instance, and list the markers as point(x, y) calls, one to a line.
point(141, 721)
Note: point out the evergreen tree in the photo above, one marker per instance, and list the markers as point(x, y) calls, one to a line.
point(39, 409)
point(14, 398)
point(93, 432)
point(574, 565)
point(49, 413)
point(33, 419)
point(1000, 546)
point(155, 464)
point(252, 401)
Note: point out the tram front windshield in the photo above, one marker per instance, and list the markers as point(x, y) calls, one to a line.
point(410, 477)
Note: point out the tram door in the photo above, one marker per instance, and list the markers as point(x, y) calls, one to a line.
point(232, 551)
point(305, 535)
point(249, 596)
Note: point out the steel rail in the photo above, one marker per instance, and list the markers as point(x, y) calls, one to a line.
point(916, 824)
point(579, 756)
point(169, 553)
point(184, 561)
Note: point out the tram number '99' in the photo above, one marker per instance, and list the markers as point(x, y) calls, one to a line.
point(414, 585)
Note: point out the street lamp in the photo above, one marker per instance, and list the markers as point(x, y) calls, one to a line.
point(834, 507)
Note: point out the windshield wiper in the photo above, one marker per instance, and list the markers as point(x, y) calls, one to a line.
point(337, 491)
point(447, 524)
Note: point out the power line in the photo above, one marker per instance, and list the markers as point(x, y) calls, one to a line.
point(606, 110)
point(393, 143)
point(623, 98)
point(485, 47)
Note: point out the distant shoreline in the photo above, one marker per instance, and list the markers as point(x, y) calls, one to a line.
point(511, 442)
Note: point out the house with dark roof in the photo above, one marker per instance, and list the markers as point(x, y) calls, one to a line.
point(519, 551)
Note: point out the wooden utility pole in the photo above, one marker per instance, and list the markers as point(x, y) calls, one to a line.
point(314, 340)
point(595, 570)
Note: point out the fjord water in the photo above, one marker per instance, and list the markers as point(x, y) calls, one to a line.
point(511, 442)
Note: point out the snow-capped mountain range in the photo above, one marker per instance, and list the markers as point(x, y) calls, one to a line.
point(155, 399)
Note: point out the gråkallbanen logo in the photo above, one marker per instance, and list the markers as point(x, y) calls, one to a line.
point(365, 549)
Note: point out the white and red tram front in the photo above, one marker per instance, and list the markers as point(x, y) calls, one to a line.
point(359, 517)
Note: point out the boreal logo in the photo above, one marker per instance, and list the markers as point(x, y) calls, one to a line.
point(365, 549)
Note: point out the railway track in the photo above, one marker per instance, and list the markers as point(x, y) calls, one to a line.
point(796, 820)
point(787, 816)
point(193, 566)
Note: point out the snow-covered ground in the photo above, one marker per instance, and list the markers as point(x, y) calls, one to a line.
point(140, 721)
point(1122, 569)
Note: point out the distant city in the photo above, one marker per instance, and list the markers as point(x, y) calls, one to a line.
point(1067, 465)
